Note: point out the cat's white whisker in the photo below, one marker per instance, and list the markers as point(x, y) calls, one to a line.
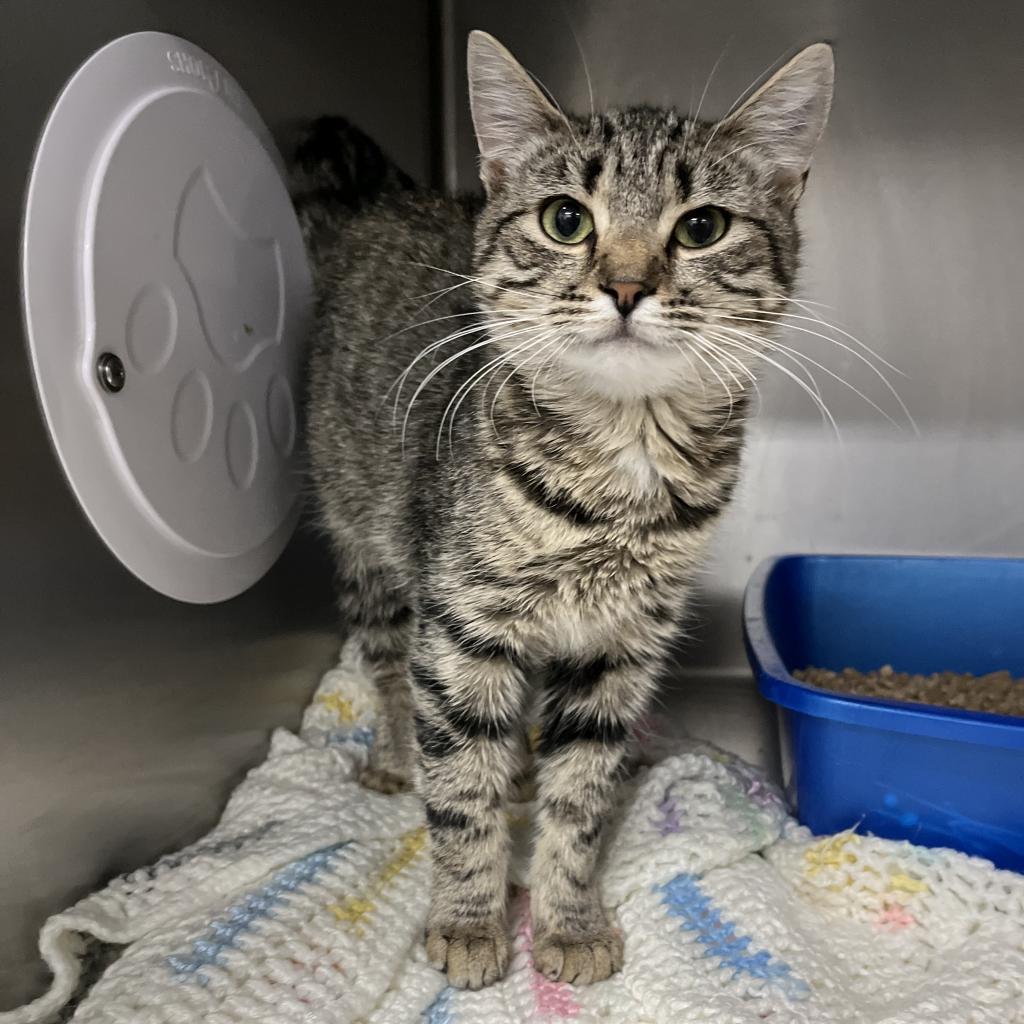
point(867, 362)
point(399, 382)
point(447, 362)
point(470, 279)
point(435, 345)
point(765, 342)
point(427, 323)
point(438, 293)
point(692, 367)
point(543, 366)
point(802, 384)
point(733, 359)
point(740, 386)
point(515, 369)
point(715, 358)
point(717, 352)
point(466, 387)
point(815, 318)
point(730, 153)
point(846, 348)
point(485, 321)
point(718, 376)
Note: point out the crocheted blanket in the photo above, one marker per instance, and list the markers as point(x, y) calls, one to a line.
point(307, 903)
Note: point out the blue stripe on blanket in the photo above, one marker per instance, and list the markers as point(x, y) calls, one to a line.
point(440, 1010)
point(683, 898)
point(222, 933)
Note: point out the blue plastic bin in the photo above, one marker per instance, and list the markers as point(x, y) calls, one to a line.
point(938, 777)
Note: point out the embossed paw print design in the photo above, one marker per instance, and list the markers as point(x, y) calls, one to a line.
point(176, 248)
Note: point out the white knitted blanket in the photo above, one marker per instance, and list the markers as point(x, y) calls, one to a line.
point(307, 903)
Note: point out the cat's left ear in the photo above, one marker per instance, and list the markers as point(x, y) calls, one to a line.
point(783, 120)
point(509, 110)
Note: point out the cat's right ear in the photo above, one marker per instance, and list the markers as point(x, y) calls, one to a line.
point(508, 107)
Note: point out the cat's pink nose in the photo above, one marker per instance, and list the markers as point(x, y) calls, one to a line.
point(625, 293)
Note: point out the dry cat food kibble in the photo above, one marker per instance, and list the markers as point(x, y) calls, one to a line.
point(997, 693)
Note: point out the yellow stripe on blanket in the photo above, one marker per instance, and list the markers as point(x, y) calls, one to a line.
point(341, 707)
point(906, 883)
point(354, 910)
point(830, 855)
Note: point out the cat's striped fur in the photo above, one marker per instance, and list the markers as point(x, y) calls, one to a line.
point(550, 526)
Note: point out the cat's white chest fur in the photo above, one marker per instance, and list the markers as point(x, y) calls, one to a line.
point(636, 466)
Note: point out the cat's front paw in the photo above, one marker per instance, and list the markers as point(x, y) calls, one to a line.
point(472, 955)
point(578, 957)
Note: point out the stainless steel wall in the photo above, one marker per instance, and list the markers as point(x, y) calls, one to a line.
point(914, 223)
point(125, 718)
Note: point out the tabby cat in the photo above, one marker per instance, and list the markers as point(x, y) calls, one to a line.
point(525, 415)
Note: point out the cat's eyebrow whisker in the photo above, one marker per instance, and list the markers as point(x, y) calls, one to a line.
point(704, 93)
point(756, 81)
point(583, 57)
point(739, 99)
point(802, 384)
point(565, 117)
point(732, 152)
point(846, 348)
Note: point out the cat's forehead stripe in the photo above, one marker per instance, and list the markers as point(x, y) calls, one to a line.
point(683, 179)
point(591, 172)
point(632, 159)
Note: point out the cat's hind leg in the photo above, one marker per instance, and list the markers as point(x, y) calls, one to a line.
point(378, 613)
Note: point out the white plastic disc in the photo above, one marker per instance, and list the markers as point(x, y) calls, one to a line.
point(160, 242)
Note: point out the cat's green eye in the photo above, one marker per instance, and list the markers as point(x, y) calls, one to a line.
point(700, 228)
point(567, 221)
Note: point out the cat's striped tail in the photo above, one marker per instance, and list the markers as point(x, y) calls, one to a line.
point(335, 170)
